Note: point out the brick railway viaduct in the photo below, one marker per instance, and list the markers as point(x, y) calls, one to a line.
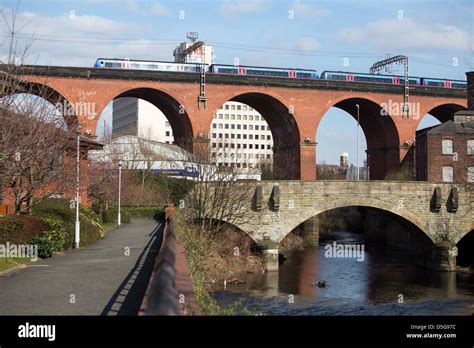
point(292, 108)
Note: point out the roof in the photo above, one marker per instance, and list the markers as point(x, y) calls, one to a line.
point(451, 127)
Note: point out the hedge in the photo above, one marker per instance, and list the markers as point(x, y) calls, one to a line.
point(61, 211)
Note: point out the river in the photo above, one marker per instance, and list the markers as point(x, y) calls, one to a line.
point(377, 282)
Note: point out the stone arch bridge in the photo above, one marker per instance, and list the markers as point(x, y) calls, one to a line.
point(442, 212)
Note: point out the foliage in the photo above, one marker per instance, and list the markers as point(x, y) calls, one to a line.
point(60, 210)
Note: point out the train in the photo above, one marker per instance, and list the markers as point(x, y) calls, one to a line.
point(116, 63)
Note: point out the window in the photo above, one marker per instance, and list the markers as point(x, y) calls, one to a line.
point(250, 118)
point(214, 125)
point(226, 126)
point(257, 118)
point(239, 107)
point(244, 118)
point(232, 126)
point(250, 127)
point(447, 147)
point(220, 116)
point(232, 107)
point(232, 117)
point(239, 117)
point(269, 137)
point(256, 136)
point(167, 124)
point(214, 135)
point(268, 156)
point(256, 146)
point(232, 136)
point(227, 135)
point(245, 126)
point(226, 117)
point(220, 125)
point(256, 127)
point(227, 107)
point(214, 145)
point(244, 136)
point(470, 174)
point(167, 133)
point(269, 147)
point(238, 136)
point(239, 126)
point(447, 174)
point(245, 108)
point(251, 136)
point(268, 128)
point(220, 135)
point(470, 147)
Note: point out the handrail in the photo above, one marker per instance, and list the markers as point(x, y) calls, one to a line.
point(161, 296)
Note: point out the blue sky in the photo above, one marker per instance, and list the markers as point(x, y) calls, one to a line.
point(437, 36)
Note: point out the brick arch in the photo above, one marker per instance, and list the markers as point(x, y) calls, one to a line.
point(54, 97)
point(381, 133)
point(357, 202)
point(284, 128)
point(173, 110)
point(444, 111)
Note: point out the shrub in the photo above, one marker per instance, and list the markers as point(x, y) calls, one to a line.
point(142, 212)
point(60, 210)
point(125, 217)
point(53, 240)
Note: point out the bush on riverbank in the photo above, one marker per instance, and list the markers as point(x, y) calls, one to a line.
point(214, 257)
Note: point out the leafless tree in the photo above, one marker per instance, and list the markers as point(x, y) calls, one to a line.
point(34, 139)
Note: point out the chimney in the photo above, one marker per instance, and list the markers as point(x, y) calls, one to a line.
point(470, 90)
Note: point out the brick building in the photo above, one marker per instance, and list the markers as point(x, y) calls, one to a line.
point(446, 152)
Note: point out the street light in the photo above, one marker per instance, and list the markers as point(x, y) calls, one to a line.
point(357, 147)
point(77, 230)
point(119, 192)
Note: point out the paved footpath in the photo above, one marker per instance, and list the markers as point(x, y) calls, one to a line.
point(97, 280)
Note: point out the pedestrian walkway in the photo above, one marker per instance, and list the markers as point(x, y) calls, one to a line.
point(108, 277)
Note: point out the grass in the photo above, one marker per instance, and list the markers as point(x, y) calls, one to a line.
point(108, 226)
point(7, 263)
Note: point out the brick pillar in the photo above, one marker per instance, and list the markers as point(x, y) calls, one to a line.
point(308, 161)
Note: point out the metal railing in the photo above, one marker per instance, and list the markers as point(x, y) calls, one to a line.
point(161, 296)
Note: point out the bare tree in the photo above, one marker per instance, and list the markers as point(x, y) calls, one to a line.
point(34, 138)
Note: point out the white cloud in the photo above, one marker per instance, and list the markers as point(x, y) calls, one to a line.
point(159, 10)
point(408, 34)
point(307, 44)
point(234, 8)
point(304, 10)
point(77, 39)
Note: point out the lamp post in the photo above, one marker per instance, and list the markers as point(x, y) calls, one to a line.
point(119, 192)
point(77, 229)
point(357, 146)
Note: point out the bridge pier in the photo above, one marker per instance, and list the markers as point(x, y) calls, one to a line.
point(269, 251)
point(443, 257)
point(311, 231)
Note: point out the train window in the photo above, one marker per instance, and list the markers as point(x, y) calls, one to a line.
point(109, 65)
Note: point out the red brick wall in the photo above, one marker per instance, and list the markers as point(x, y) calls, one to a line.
point(436, 160)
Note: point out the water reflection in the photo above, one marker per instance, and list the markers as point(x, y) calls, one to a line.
point(383, 277)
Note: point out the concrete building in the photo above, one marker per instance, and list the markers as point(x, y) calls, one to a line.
point(194, 51)
point(132, 116)
point(240, 137)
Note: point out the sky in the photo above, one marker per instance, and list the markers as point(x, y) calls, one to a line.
point(350, 35)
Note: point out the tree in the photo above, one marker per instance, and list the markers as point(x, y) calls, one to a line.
point(34, 138)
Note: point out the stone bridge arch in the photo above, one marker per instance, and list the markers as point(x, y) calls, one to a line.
point(403, 214)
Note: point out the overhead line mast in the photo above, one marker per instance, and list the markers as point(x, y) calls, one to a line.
point(385, 66)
